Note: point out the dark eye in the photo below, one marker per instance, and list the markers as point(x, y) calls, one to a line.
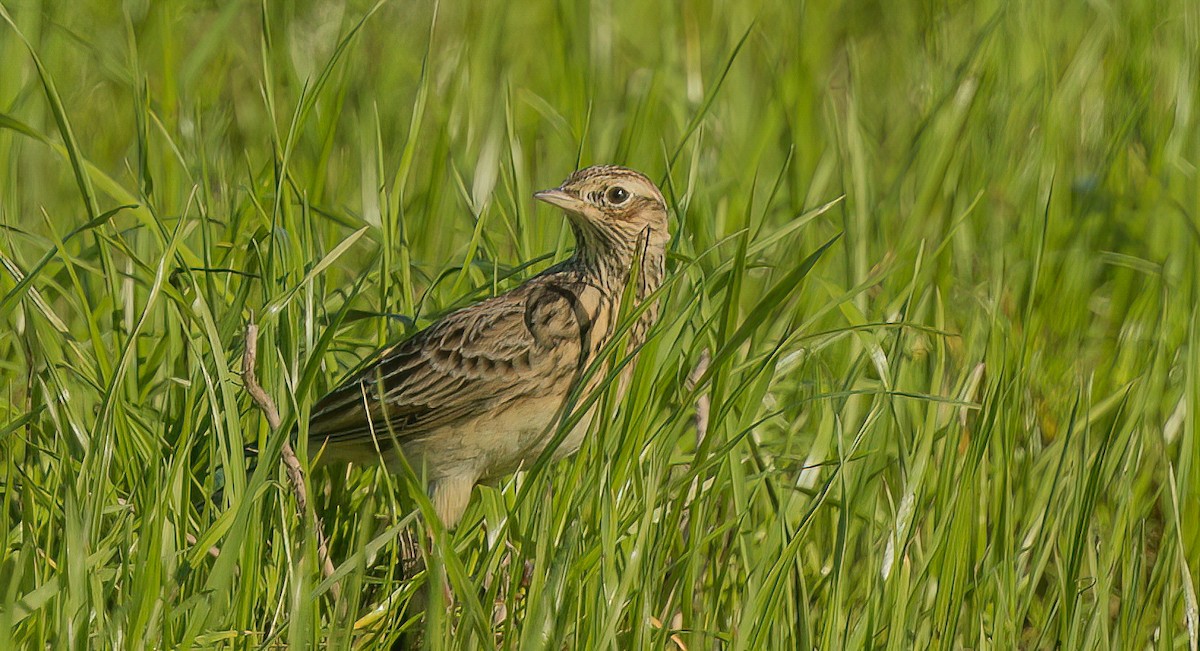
point(616, 195)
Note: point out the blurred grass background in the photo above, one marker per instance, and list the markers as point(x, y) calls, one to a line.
point(972, 425)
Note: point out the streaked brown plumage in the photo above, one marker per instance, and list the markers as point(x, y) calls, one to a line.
point(479, 393)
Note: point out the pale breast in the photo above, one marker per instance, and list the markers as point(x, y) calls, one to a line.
point(492, 446)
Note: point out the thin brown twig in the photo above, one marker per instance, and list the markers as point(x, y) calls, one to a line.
point(264, 401)
point(700, 419)
point(703, 400)
point(295, 472)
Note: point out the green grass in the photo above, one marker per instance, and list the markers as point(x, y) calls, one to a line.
point(972, 423)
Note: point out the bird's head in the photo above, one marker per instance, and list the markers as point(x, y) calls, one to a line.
point(613, 210)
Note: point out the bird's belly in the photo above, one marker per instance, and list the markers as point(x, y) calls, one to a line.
point(496, 445)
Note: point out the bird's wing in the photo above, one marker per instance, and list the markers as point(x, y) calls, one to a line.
point(524, 343)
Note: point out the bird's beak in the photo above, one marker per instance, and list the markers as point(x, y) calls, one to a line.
point(564, 200)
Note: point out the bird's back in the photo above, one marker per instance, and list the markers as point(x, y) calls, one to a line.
point(522, 347)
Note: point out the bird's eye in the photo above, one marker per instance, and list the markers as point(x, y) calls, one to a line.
point(616, 195)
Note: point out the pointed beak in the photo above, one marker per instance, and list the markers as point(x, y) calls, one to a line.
point(564, 200)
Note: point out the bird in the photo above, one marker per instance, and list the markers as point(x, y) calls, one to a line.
point(479, 393)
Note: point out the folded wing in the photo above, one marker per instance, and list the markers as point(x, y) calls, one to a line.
point(465, 366)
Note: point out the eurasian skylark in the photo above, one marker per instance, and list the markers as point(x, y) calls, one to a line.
point(479, 393)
